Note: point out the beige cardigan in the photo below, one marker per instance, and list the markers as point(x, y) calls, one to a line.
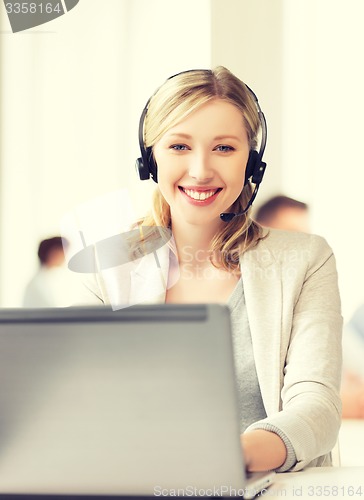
point(293, 306)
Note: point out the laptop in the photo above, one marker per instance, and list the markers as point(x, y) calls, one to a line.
point(135, 402)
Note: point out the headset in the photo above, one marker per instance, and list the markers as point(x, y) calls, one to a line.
point(255, 167)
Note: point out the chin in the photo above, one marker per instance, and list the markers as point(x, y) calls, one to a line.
point(203, 221)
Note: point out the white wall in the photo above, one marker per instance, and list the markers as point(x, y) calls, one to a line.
point(247, 38)
point(322, 129)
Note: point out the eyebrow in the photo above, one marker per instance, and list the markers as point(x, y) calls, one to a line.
point(221, 137)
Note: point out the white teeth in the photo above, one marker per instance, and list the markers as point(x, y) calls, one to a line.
point(197, 195)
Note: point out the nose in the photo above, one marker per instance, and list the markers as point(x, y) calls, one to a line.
point(200, 167)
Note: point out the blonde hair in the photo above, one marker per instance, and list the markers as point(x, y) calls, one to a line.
point(176, 99)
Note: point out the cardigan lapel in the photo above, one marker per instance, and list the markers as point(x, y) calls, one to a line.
point(262, 281)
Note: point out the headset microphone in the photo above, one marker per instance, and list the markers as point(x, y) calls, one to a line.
point(228, 216)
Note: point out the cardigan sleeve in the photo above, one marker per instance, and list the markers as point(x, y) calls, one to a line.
point(310, 413)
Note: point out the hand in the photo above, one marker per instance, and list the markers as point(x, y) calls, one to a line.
point(263, 450)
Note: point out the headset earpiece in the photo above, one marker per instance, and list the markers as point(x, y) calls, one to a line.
point(250, 165)
point(152, 166)
point(146, 166)
point(255, 168)
point(142, 171)
point(259, 173)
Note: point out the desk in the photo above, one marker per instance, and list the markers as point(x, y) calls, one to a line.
point(319, 482)
point(316, 482)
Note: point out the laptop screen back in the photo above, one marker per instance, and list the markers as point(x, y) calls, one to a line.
point(118, 402)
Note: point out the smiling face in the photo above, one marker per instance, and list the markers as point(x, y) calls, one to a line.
point(201, 162)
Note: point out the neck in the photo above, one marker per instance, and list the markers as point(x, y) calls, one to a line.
point(193, 242)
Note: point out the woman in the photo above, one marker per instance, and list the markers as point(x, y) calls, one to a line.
point(198, 133)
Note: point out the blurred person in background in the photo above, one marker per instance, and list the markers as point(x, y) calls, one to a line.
point(282, 212)
point(53, 285)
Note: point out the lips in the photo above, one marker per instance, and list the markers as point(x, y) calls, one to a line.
point(200, 196)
